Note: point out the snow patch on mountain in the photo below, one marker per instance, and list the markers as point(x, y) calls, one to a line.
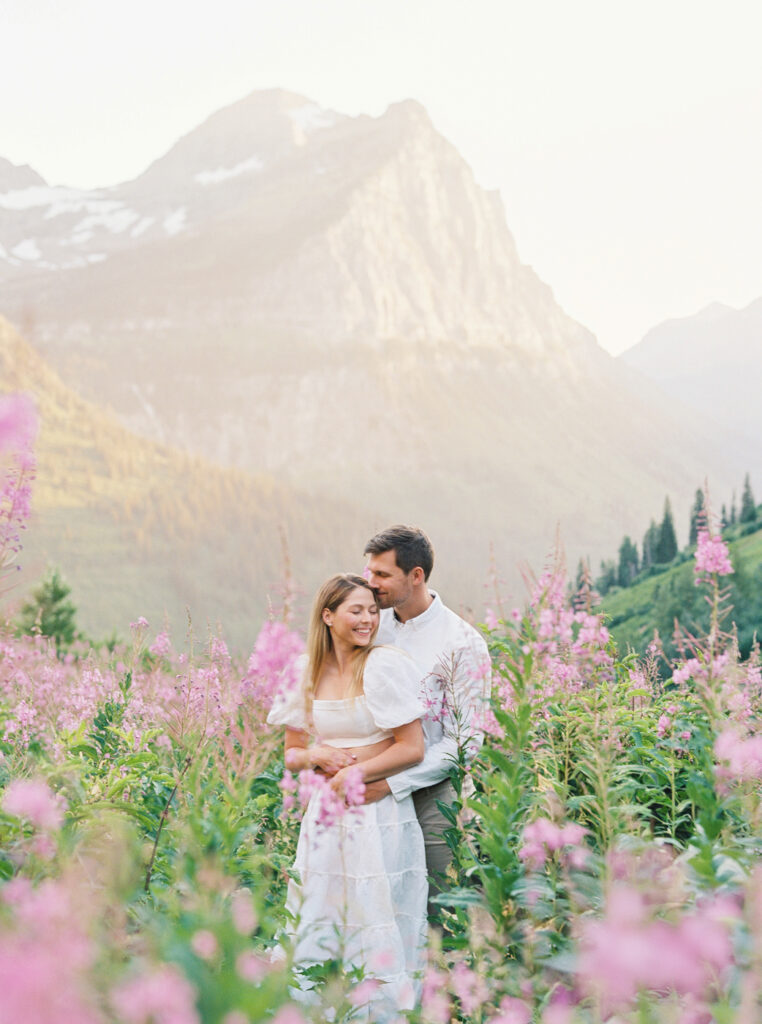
point(309, 118)
point(142, 226)
point(115, 221)
point(36, 195)
point(175, 222)
point(225, 173)
point(27, 250)
point(82, 202)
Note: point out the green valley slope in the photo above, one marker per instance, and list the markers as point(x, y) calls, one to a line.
point(659, 600)
point(141, 529)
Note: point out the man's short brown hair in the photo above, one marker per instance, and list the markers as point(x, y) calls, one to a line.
point(411, 547)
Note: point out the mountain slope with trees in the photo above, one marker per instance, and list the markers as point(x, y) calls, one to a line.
point(663, 595)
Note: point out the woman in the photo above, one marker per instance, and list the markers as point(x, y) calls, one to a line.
point(362, 892)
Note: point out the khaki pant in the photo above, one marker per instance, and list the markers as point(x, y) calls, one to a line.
point(433, 825)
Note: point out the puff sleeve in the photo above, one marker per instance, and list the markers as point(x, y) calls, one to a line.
point(288, 708)
point(391, 684)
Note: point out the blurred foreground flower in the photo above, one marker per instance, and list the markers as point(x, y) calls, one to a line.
point(34, 801)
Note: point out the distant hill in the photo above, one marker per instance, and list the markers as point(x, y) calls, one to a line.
point(335, 302)
point(140, 529)
point(713, 362)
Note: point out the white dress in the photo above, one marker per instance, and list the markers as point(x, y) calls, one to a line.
point(363, 885)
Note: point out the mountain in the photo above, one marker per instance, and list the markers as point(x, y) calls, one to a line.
point(140, 529)
point(336, 302)
point(712, 361)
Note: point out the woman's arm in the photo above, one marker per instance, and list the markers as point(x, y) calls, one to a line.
point(406, 751)
point(299, 754)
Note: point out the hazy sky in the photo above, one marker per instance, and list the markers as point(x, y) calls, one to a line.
point(624, 136)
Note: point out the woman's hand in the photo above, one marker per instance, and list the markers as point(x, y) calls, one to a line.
point(330, 759)
point(349, 784)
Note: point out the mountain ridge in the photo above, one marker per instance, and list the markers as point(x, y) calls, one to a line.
point(353, 318)
point(713, 360)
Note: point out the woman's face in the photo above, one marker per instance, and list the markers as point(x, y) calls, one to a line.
point(355, 621)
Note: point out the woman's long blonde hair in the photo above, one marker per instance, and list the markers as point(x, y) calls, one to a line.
point(334, 592)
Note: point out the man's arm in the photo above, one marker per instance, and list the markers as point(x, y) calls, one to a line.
point(465, 681)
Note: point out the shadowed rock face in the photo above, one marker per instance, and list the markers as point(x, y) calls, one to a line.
point(335, 301)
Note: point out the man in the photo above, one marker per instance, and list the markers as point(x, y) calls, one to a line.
point(455, 679)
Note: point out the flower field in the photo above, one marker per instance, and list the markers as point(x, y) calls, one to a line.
point(607, 837)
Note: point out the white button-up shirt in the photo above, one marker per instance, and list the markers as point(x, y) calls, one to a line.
point(455, 686)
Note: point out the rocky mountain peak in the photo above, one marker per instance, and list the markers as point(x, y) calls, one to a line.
point(240, 139)
point(18, 176)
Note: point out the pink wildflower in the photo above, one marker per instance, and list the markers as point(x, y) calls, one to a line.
point(162, 646)
point(236, 1017)
point(435, 1003)
point(288, 1015)
point(161, 996)
point(288, 786)
point(712, 557)
point(364, 992)
point(250, 967)
point(486, 722)
point(18, 422)
point(354, 786)
point(742, 757)
point(512, 1011)
point(245, 919)
point(33, 800)
point(626, 952)
point(490, 619)
point(45, 956)
point(204, 944)
point(272, 670)
point(543, 837)
point(663, 725)
point(18, 426)
point(692, 667)
point(470, 988)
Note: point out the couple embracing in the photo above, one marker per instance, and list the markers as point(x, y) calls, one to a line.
point(392, 687)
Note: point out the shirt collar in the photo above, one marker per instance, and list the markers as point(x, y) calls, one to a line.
point(422, 620)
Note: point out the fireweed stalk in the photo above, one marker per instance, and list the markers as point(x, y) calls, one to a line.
point(18, 428)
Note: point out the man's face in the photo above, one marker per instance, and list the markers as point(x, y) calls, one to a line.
point(393, 587)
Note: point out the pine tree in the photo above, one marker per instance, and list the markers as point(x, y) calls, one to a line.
point(650, 542)
point(666, 546)
point(733, 512)
point(698, 517)
point(628, 563)
point(50, 612)
point(748, 505)
point(583, 573)
point(724, 521)
point(607, 578)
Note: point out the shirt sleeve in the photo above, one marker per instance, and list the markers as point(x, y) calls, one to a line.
point(288, 708)
point(391, 684)
point(465, 678)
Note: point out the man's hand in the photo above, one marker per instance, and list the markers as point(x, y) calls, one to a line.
point(375, 791)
